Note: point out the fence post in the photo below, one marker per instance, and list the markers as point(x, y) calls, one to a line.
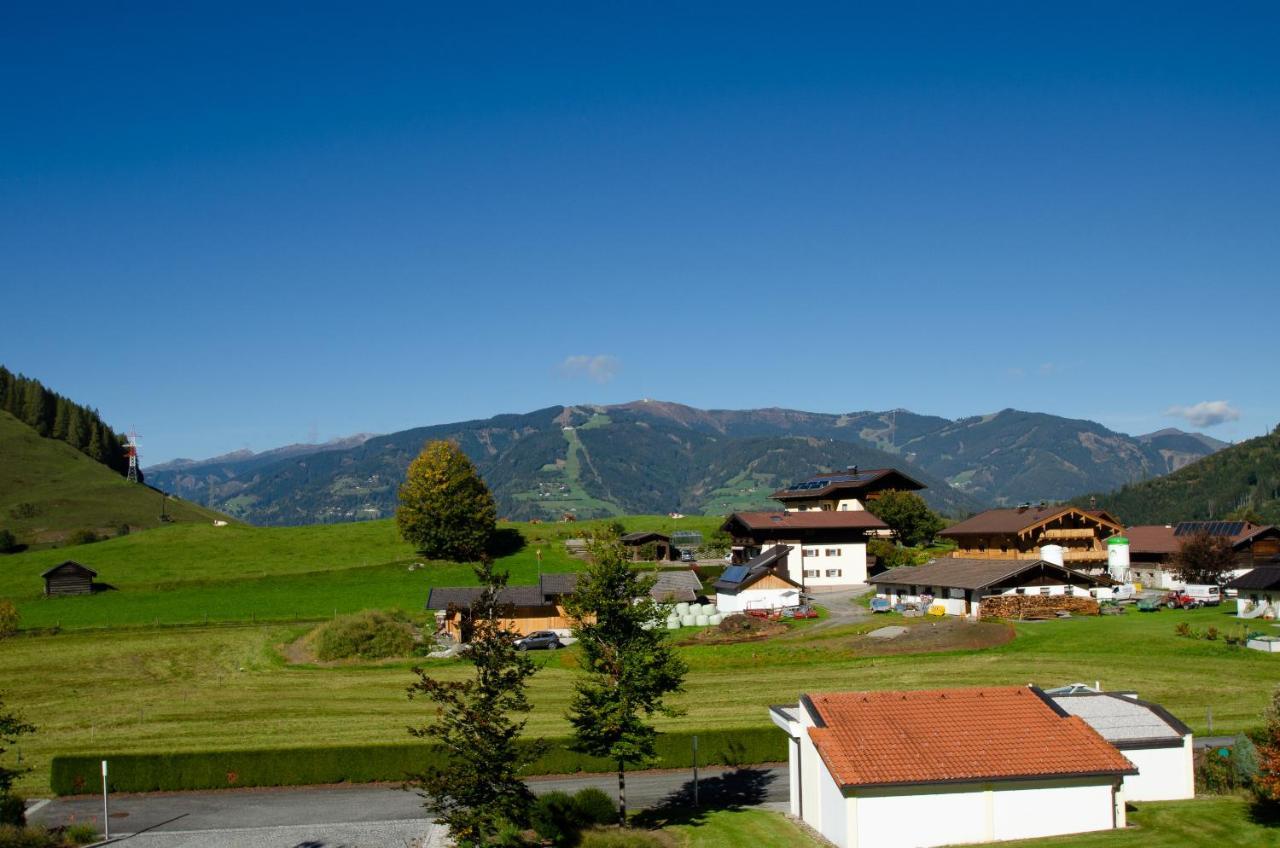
point(695, 770)
point(106, 822)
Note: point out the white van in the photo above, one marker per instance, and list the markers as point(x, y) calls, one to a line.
point(1120, 593)
point(1208, 595)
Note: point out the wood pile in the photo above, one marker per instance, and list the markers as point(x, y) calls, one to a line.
point(1036, 606)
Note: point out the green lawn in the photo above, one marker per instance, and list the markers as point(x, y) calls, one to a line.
point(1202, 823)
point(198, 688)
point(734, 828)
point(189, 573)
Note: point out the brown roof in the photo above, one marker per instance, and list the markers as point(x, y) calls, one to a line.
point(70, 565)
point(1151, 539)
point(858, 519)
point(954, 735)
point(642, 536)
point(1016, 519)
point(821, 485)
point(974, 573)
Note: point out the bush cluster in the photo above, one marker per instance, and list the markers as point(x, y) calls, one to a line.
point(1221, 771)
point(9, 618)
point(368, 635)
point(34, 836)
point(1235, 636)
point(560, 818)
point(77, 775)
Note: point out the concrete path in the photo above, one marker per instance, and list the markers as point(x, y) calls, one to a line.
point(840, 607)
point(371, 816)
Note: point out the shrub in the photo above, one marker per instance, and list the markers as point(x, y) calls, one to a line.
point(1182, 629)
point(12, 836)
point(556, 819)
point(26, 509)
point(83, 537)
point(13, 810)
point(889, 555)
point(619, 839)
point(368, 635)
point(9, 619)
point(1215, 774)
point(595, 806)
point(1211, 633)
point(8, 542)
point(80, 834)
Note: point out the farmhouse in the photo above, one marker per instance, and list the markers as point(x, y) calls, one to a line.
point(849, 491)
point(648, 546)
point(1153, 547)
point(958, 586)
point(1077, 535)
point(761, 583)
point(69, 578)
point(829, 548)
point(541, 606)
point(1258, 592)
point(940, 767)
point(538, 607)
point(1150, 737)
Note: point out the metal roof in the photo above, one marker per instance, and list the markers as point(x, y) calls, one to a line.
point(1123, 720)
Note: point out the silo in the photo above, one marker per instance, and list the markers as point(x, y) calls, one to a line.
point(1051, 553)
point(1118, 558)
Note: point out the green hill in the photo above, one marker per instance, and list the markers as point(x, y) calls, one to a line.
point(1239, 478)
point(48, 490)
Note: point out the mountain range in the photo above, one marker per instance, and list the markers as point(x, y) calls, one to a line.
point(654, 456)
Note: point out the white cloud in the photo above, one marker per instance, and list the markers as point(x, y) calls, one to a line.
point(1208, 413)
point(602, 367)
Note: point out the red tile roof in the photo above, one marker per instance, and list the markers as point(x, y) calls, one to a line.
point(955, 735)
point(854, 519)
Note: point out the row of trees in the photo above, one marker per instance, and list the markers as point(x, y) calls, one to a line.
point(56, 417)
point(627, 667)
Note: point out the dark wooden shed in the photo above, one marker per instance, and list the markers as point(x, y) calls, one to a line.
point(636, 543)
point(70, 578)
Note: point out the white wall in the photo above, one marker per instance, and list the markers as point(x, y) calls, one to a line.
point(931, 815)
point(851, 561)
point(757, 599)
point(1164, 774)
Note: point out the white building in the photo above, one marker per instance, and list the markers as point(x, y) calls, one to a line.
point(846, 491)
point(1258, 592)
point(829, 547)
point(1156, 742)
point(942, 767)
point(959, 585)
point(761, 583)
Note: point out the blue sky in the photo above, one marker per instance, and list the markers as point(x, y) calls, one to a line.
point(233, 228)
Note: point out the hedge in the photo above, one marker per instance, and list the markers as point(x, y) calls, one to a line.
point(80, 774)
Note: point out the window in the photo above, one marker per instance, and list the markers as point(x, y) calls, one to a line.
point(844, 507)
point(809, 552)
point(1021, 590)
point(834, 572)
point(1044, 590)
point(1070, 590)
point(812, 573)
point(833, 552)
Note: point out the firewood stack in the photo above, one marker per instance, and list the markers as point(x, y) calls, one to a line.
point(1036, 606)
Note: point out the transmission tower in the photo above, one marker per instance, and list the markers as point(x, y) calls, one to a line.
point(131, 450)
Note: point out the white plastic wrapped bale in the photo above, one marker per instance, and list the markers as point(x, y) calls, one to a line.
point(688, 620)
point(715, 619)
point(673, 623)
point(700, 620)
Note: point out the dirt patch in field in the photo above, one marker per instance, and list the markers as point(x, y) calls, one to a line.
point(738, 628)
point(948, 634)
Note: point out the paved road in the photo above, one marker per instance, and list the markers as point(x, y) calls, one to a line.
point(840, 607)
point(365, 816)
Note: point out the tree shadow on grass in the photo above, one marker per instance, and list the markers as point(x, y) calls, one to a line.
point(505, 541)
point(1264, 814)
point(731, 790)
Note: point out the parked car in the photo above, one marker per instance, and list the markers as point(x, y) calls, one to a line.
point(688, 556)
point(539, 640)
point(1119, 594)
point(1207, 595)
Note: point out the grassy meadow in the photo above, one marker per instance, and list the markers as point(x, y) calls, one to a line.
point(197, 573)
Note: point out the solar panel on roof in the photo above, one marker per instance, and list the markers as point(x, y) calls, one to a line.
point(734, 574)
point(1213, 528)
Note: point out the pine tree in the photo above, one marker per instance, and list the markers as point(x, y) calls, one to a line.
point(95, 448)
point(35, 409)
point(446, 510)
point(61, 418)
point(475, 788)
point(6, 388)
point(77, 431)
point(627, 666)
point(12, 729)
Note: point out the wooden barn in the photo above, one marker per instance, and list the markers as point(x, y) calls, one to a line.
point(69, 578)
point(638, 546)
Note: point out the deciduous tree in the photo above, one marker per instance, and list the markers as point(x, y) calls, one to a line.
point(1203, 558)
point(475, 789)
point(628, 668)
point(907, 515)
point(1266, 782)
point(446, 510)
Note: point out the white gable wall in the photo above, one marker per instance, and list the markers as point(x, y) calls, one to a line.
point(751, 598)
point(1164, 774)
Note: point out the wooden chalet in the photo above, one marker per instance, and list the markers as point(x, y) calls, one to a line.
point(1154, 547)
point(69, 578)
point(1021, 532)
point(844, 491)
point(960, 585)
point(635, 543)
point(531, 608)
point(762, 583)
